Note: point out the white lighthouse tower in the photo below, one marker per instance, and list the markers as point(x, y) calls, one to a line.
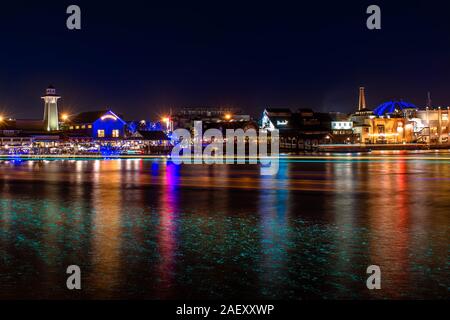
point(51, 121)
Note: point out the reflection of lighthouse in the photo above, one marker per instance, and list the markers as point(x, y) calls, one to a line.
point(51, 109)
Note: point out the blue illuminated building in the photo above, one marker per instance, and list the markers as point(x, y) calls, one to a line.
point(392, 107)
point(108, 126)
point(97, 125)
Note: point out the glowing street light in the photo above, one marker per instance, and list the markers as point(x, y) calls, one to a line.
point(167, 121)
point(1, 118)
point(65, 117)
point(228, 116)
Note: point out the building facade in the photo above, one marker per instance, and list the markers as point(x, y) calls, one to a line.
point(432, 125)
point(300, 130)
point(96, 125)
point(389, 123)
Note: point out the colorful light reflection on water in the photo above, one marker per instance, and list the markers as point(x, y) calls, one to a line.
point(151, 229)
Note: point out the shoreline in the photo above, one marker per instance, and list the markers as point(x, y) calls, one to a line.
point(407, 154)
point(379, 147)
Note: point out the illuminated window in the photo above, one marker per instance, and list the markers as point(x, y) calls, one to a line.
point(77, 127)
point(83, 127)
point(71, 128)
point(115, 133)
point(89, 126)
point(101, 133)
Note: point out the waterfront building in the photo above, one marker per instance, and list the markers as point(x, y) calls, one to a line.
point(49, 123)
point(24, 135)
point(101, 131)
point(301, 130)
point(106, 132)
point(210, 117)
point(432, 125)
point(11, 136)
point(221, 118)
point(14, 138)
point(276, 118)
point(392, 124)
point(96, 125)
point(389, 123)
point(341, 130)
point(151, 138)
point(206, 112)
point(403, 122)
point(148, 142)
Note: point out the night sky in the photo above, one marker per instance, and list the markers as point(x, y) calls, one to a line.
point(142, 58)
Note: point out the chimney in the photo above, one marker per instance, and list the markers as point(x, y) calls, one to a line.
point(362, 99)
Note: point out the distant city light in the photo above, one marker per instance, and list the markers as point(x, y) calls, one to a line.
point(282, 123)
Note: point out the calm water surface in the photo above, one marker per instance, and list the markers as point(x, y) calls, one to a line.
point(151, 229)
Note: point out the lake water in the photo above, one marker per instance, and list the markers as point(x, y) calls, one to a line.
point(151, 229)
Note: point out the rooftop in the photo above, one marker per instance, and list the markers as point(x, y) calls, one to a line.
point(393, 107)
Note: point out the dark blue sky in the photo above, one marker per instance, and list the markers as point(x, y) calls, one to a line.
point(141, 58)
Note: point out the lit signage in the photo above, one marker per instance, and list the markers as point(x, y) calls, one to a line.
point(342, 125)
point(108, 116)
point(282, 123)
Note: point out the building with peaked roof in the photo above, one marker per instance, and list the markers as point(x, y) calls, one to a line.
point(88, 117)
point(98, 125)
point(277, 118)
point(101, 131)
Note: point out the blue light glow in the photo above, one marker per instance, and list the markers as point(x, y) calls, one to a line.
point(393, 107)
point(108, 150)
